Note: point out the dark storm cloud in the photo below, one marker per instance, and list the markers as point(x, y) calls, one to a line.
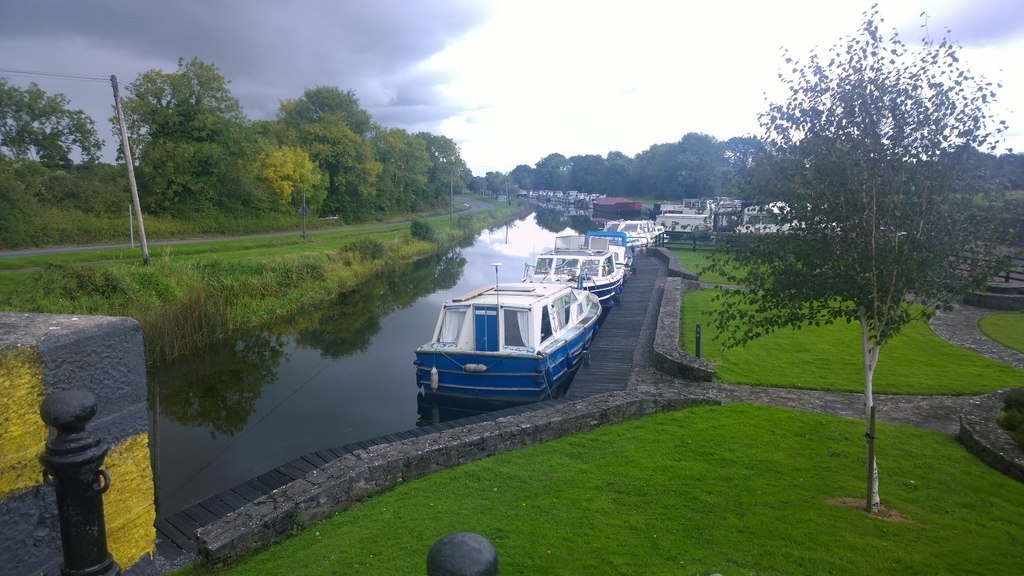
point(269, 51)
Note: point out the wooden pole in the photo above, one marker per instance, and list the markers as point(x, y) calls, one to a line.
point(126, 148)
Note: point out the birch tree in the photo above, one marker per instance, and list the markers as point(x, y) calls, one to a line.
point(881, 225)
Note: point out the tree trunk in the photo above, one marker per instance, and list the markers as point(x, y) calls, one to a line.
point(869, 355)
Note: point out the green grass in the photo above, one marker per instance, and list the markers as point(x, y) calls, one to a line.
point(734, 490)
point(695, 262)
point(193, 294)
point(828, 358)
point(1006, 328)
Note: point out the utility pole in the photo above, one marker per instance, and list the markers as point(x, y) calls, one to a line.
point(126, 148)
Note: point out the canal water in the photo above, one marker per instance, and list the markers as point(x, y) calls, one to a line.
point(338, 374)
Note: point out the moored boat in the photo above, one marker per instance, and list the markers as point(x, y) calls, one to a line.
point(642, 233)
point(581, 261)
point(508, 344)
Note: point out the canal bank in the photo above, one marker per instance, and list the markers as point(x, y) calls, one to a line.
point(347, 479)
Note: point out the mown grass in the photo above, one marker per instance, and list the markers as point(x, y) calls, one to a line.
point(1006, 328)
point(695, 261)
point(828, 358)
point(734, 490)
point(193, 294)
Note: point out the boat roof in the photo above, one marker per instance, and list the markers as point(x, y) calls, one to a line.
point(514, 294)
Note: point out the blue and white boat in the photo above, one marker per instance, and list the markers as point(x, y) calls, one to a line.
point(581, 261)
point(508, 344)
point(618, 244)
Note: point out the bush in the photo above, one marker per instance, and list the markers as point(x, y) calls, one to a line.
point(367, 248)
point(422, 230)
point(1011, 418)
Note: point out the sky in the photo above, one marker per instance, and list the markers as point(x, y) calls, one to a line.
point(510, 81)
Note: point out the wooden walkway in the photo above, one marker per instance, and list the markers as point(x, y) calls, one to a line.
point(611, 360)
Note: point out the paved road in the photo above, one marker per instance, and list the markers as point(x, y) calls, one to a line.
point(474, 206)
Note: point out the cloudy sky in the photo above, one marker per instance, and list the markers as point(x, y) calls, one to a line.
point(510, 81)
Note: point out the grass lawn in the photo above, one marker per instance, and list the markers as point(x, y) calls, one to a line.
point(695, 261)
point(734, 489)
point(828, 358)
point(1006, 328)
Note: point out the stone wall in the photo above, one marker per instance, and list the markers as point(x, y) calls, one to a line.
point(668, 357)
point(346, 481)
point(995, 301)
point(41, 354)
point(983, 437)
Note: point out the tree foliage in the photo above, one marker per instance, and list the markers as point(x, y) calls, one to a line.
point(882, 226)
point(35, 125)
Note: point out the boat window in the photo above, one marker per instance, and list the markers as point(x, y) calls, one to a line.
point(451, 325)
point(564, 309)
point(609, 266)
point(516, 327)
point(568, 266)
point(592, 267)
point(543, 266)
point(545, 324)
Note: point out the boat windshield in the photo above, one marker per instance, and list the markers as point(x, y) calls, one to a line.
point(592, 266)
point(568, 266)
point(543, 266)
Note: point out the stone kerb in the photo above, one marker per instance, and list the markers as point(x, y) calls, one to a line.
point(995, 301)
point(45, 353)
point(983, 437)
point(348, 480)
point(667, 357)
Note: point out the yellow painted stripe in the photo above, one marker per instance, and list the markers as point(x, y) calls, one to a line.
point(22, 431)
point(128, 505)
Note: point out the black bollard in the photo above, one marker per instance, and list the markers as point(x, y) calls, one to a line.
point(698, 341)
point(71, 464)
point(462, 554)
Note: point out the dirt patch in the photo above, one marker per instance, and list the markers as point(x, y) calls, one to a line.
point(884, 512)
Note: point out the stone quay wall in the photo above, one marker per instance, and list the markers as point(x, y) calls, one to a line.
point(346, 481)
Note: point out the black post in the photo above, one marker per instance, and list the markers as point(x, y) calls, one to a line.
point(71, 464)
point(462, 554)
point(698, 340)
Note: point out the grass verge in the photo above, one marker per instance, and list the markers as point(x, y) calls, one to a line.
point(1006, 328)
point(734, 490)
point(828, 358)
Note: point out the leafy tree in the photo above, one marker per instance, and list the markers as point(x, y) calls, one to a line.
point(190, 136)
point(348, 161)
point(317, 103)
point(405, 166)
point(552, 172)
point(445, 174)
point(656, 172)
point(882, 232)
point(703, 168)
point(618, 174)
point(288, 172)
point(39, 126)
point(523, 176)
point(586, 173)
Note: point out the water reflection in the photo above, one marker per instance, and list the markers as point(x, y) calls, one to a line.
point(557, 220)
point(334, 375)
point(217, 388)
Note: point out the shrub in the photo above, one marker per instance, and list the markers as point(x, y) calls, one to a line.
point(1011, 418)
point(367, 248)
point(422, 230)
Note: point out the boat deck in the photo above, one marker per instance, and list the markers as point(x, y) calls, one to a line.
point(611, 361)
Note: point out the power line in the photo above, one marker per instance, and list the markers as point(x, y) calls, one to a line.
point(58, 75)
